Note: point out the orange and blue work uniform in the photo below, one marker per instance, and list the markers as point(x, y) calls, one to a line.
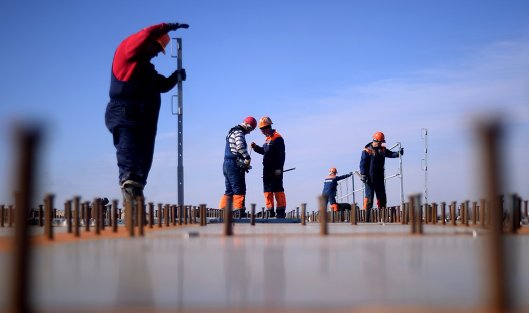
point(273, 151)
point(329, 189)
point(372, 164)
point(235, 152)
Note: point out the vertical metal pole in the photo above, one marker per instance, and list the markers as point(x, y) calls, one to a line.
point(425, 164)
point(180, 114)
point(401, 176)
point(353, 188)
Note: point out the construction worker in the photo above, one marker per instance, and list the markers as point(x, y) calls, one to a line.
point(273, 152)
point(236, 164)
point(132, 112)
point(372, 171)
point(329, 187)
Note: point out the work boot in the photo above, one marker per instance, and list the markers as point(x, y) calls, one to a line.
point(280, 213)
point(368, 215)
point(130, 190)
point(239, 213)
point(270, 213)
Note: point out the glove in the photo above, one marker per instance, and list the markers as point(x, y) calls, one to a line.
point(247, 165)
point(278, 172)
point(180, 74)
point(253, 145)
point(175, 26)
point(401, 151)
point(363, 178)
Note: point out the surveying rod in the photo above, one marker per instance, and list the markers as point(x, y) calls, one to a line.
point(180, 126)
point(398, 144)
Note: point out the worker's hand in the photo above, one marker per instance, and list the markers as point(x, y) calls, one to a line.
point(401, 151)
point(278, 172)
point(181, 74)
point(363, 178)
point(253, 145)
point(175, 26)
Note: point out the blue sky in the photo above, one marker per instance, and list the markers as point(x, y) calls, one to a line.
point(328, 73)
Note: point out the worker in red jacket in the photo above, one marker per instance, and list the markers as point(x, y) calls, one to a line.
point(273, 151)
point(132, 112)
point(372, 171)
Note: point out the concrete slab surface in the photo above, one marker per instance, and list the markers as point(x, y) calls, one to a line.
point(271, 267)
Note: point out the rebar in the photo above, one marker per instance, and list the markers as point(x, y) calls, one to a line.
point(114, 215)
point(303, 214)
point(160, 214)
point(151, 214)
point(252, 214)
point(140, 216)
point(489, 134)
point(27, 142)
point(323, 216)
point(76, 223)
point(96, 204)
point(48, 223)
point(228, 227)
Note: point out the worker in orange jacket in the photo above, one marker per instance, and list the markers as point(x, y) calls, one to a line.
point(372, 171)
point(273, 151)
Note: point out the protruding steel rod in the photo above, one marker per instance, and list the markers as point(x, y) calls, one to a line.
point(252, 214)
point(68, 215)
point(203, 213)
point(114, 214)
point(151, 214)
point(489, 134)
point(453, 210)
point(323, 216)
point(26, 146)
point(96, 209)
point(48, 223)
point(303, 213)
point(228, 226)
point(443, 213)
point(77, 209)
point(2, 215)
point(140, 216)
point(129, 220)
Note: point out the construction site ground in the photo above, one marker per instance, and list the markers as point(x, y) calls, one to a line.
point(267, 267)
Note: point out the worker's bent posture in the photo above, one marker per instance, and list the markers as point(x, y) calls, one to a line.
point(372, 171)
point(236, 164)
point(330, 185)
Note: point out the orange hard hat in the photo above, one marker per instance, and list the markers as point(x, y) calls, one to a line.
point(265, 121)
point(163, 41)
point(379, 137)
point(250, 120)
point(333, 170)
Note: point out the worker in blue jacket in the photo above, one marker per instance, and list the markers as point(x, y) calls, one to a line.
point(372, 171)
point(329, 187)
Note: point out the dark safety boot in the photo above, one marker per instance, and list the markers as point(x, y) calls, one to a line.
point(270, 213)
point(280, 213)
point(239, 213)
point(130, 191)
